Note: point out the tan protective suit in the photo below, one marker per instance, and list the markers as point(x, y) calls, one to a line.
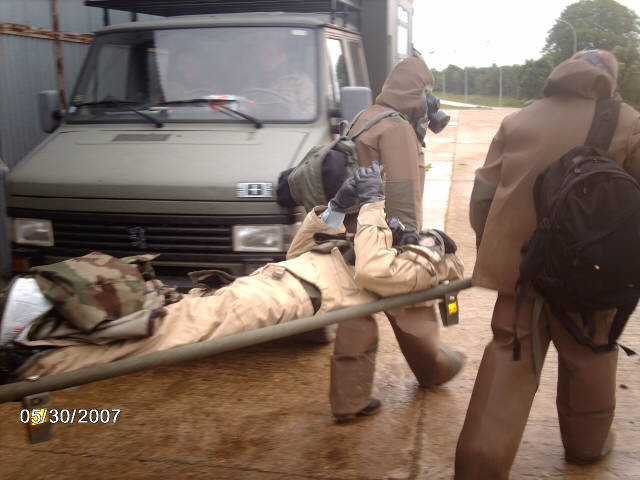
point(274, 294)
point(394, 144)
point(503, 216)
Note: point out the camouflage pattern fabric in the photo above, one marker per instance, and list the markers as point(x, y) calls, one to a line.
point(93, 288)
point(139, 324)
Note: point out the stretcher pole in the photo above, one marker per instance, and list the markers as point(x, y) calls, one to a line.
point(19, 390)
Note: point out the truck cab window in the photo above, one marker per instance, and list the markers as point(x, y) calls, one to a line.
point(338, 75)
point(267, 72)
point(402, 41)
point(113, 62)
point(359, 65)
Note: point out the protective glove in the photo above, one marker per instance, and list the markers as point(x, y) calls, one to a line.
point(345, 197)
point(369, 184)
point(450, 245)
point(409, 237)
point(396, 226)
point(442, 241)
point(402, 235)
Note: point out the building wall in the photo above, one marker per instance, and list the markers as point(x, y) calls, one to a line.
point(28, 65)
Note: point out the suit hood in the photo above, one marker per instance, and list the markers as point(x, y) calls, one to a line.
point(404, 88)
point(577, 77)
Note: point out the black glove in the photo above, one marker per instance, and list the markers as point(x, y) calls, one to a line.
point(442, 240)
point(345, 197)
point(395, 225)
point(402, 235)
point(450, 245)
point(409, 237)
point(369, 184)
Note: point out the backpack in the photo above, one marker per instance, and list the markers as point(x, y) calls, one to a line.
point(319, 175)
point(584, 255)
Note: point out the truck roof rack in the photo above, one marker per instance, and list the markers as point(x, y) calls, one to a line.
point(170, 8)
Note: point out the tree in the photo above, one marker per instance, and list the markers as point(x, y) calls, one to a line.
point(533, 76)
point(606, 25)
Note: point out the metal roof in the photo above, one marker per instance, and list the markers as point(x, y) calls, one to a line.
point(246, 19)
point(170, 8)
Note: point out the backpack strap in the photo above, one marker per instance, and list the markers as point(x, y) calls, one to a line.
point(349, 125)
point(619, 321)
point(603, 126)
point(371, 122)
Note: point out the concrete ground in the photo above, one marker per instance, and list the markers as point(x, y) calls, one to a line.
point(262, 413)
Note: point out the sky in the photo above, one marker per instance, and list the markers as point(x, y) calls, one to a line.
point(478, 33)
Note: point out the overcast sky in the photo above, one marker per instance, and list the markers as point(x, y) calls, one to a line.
point(482, 32)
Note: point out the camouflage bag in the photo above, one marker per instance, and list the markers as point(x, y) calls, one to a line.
point(96, 287)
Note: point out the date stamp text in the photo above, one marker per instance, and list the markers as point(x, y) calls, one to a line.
point(39, 416)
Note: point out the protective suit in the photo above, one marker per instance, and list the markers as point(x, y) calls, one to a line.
point(395, 144)
point(282, 292)
point(503, 216)
point(393, 141)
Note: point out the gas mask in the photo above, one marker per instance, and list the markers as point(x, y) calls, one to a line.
point(434, 119)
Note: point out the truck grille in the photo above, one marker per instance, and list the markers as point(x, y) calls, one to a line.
point(176, 237)
point(143, 237)
point(142, 234)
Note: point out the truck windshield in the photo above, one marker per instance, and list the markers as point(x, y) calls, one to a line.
point(269, 73)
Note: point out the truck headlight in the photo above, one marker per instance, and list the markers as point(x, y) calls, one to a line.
point(258, 238)
point(33, 231)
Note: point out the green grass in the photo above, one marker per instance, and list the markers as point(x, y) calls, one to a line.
point(481, 100)
point(455, 107)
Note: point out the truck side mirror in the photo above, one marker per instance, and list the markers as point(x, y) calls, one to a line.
point(49, 110)
point(354, 100)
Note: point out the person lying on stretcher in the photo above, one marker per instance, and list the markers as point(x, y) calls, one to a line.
point(324, 271)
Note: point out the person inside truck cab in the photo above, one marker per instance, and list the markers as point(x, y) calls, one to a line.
point(279, 79)
point(187, 77)
point(326, 270)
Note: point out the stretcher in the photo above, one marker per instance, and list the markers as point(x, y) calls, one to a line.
point(35, 393)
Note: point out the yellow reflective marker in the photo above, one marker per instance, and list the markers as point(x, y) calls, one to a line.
point(38, 416)
point(453, 308)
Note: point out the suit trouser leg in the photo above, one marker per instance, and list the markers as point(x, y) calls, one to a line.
point(502, 396)
point(353, 365)
point(417, 332)
point(586, 398)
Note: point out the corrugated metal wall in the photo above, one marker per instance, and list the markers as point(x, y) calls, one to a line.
point(27, 66)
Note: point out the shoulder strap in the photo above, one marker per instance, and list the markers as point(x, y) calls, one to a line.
point(370, 123)
point(603, 126)
point(349, 125)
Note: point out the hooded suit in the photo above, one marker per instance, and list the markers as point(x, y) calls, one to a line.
point(503, 215)
point(394, 144)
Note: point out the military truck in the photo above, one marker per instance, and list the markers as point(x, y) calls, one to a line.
point(178, 129)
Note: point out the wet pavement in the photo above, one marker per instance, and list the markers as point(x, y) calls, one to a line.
point(262, 413)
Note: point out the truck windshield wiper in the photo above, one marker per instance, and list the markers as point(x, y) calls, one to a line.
point(218, 105)
point(122, 103)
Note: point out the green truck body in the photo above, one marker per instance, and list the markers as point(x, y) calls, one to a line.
point(130, 169)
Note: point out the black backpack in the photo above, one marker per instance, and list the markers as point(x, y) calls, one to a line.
point(584, 255)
